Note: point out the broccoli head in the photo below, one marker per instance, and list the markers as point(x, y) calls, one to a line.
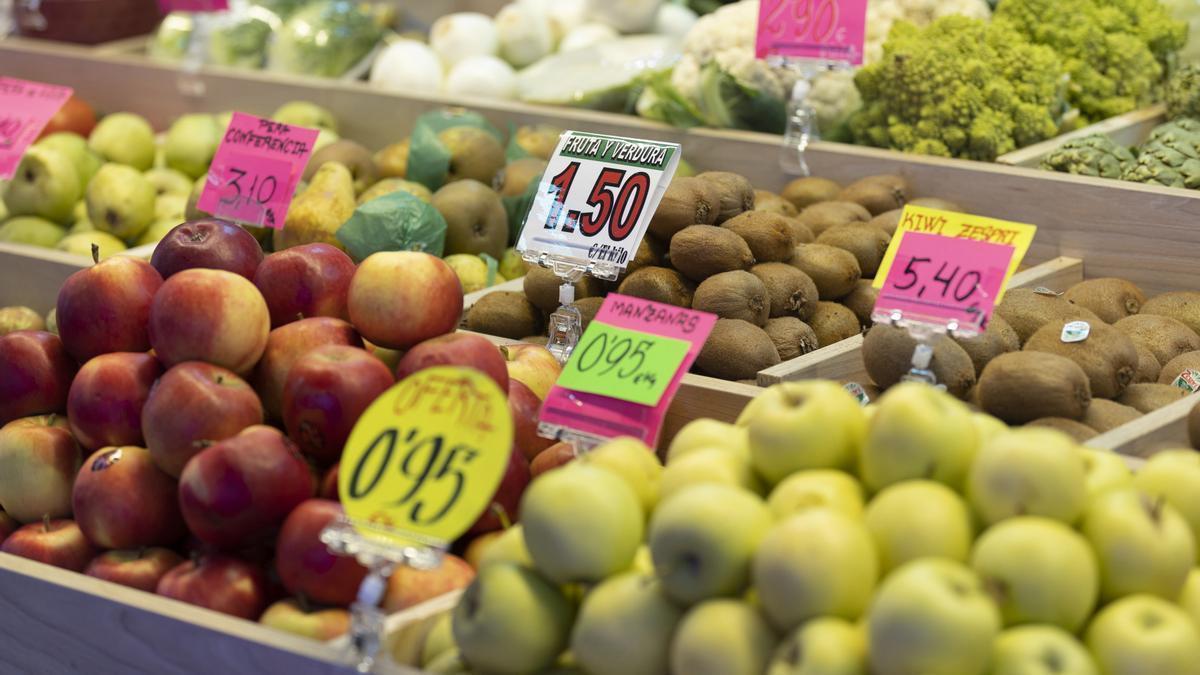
point(1094, 155)
point(1171, 156)
point(1183, 93)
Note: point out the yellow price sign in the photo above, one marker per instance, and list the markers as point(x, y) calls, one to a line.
point(424, 460)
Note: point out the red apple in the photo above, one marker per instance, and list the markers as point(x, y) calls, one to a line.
point(208, 243)
point(409, 587)
point(525, 406)
point(456, 349)
point(106, 399)
point(551, 458)
point(400, 298)
point(306, 566)
point(316, 624)
point(122, 500)
point(288, 343)
point(326, 392)
point(218, 582)
point(55, 542)
point(38, 461)
point(305, 281)
point(75, 116)
point(106, 308)
point(506, 501)
point(140, 568)
point(35, 374)
point(209, 315)
point(534, 365)
point(191, 407)
point(240, 489)
point(329, 484)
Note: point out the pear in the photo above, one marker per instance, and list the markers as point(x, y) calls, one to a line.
point(538, 140)
point(86, 162)
point(169, 181)
point(45, 184)
point(316, 215)
point(191, 143)
point(170, 207)
point(324, 138)
point(474, 154)
point(349, 154)
point(31, 230)
point(124, 138)
point(392, 161)
point(120, 201)
point(81, 244)
point(475, 218)
point(158, 230)
point(389, 185)
point(192, 210)
point(305, 114)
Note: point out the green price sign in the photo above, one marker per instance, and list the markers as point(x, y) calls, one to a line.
point(624, 364)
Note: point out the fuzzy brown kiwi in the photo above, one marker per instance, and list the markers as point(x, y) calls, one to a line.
point(1073, 428)
point(1183, 306)
point(887, 356)
point(1110, 298)
point(834, 270)
point(833, 323)
point(1027, 310)
point(1177, 365)
point(822, 216)
point(769, 201)
point(999, 338)
point(792, 337)
point(686, 201)
point(588, 308)
point(887, 221)
point(734, 295)
point(861, 301)
point(736, 350)
point(659, 284)
point(1107, 355)
point(1105, 415)
point(1020, 387)
point(541, 287)
point(1148, 367)
point(804, 192)
point(937, 203)
point(801, 234)
point(767, 234)
point(649, 254)
point(791, 291)
point(701, 251)
point(1148, 397)
point(867, 244)
point(1165, 337)
point(506, 314)
point(734, 193)
point(877, 194)
point(1193, 426)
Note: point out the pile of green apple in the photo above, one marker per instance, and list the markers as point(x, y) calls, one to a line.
point(815, 536)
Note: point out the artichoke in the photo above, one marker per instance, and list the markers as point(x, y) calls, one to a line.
point(1094, 155)
point(1183, 93)
point(1171, 157)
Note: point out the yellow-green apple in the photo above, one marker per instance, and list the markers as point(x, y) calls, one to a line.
point(1029, 471)
point(824, 646)
point(532, 364)
point(326, 391)
point(209, 243)
point(505, 507)
point(286, 345)
point(624, 627)
point(918, 518)
point(125, 138)
point(105, 402)
point(511, 620)
point(140, 568)
point(35, 374)
point(317, 624)
point(559, 454)
point(818, 488)
point(46, 184)
point(120, 201)
point(398, 299)
point(439, 639)
point(218, 582)
point(702, 541)
point(1174, 475)
point(633, 462)
point(122, 500)
point(106, 308)
point(305, 564)
point(1144, 635)
point(722, 636)
point(701, 467)
point(1189, 597)
point(917, 431)
point(409, 587)
point(54, 542)
point(209, 315)
point(456, 349)
point(38, 461)
point(803, 425)
point(192, 406)
point(240, 489)
point(75, 116)
point(1039, 571)
point(581, 523)
point(508, 546)
point(931, 616)
point(1142, 543)
point(815, 563)
point(304, 281)
point(525, 406)
point(8, 525)
point(706, 433)
point(329, 484)
point(1105, 470)
point(1040, 650)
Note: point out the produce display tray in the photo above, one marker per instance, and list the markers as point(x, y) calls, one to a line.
point(1129, 129)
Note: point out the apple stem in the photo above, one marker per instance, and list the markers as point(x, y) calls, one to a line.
point(95, 254)
point(502, 515)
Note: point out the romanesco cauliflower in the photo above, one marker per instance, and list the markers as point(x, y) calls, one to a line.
point(882, 14)
point(1094, 155)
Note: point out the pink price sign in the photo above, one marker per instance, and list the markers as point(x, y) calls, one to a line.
point(833, 30)
point(25, 108)
point(255, 170)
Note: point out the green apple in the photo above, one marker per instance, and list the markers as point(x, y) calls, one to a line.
point(1142, 543)
point(512, 265)
point(75, 147)
point(819, 488)
point(191, 143)
point(508, 547)
point(825, 646)
point(918, 431)
point(931, 616)
point(702, 541)
point(633, 462)
point(511, 620)
point(81, 244)
point(705, 434)
point(45, 185)
point(816, 563)
point(157, 231)
point(170, 207)
point(1040, 571)
point(624, 627)
point(169, 181)
point(124, 138)
point(1144, 635)
point(1189, 597)
point(1040, 650)
point(1028, 471)
point(32, 231)
point(439, 639)
point(916, 519)
point(1174, 475)
point(720, 637)
point(987, 427)
point(120, 201)
point(709, 466)
point(305, 114)
point(581, 523)
point(1104, 470)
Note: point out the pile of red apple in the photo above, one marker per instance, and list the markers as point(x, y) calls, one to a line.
point(181, 434)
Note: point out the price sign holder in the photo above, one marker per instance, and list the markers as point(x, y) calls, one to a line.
point(419, 468)
point(25, 108)
point(591, 211)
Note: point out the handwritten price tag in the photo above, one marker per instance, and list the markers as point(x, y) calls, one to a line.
point(623, 364)
point(255, 170)
point(25, 108)
point(424, 460)
point(812, 29)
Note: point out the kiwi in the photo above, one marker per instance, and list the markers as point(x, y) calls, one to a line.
point(937, 203)
point(736, 350)
point(1104, 415)
point(792, 337)
point(1165, 337)
point(767, 234)
point(649, 254)
point(877, 194)
point(791, 291)
point(887, 353)
point(821, 217)
point(999, 338)
point(867, 244)
point(861, 301)
point(686, 201)
point(1073, 428)
point(835, 271)
point(734, 193)
point(588, 308)
point(734, 295)
point(804, 192)
point(1107, 355)
point(1148, 397)
point(541, 287)
point(1193, 426)
point(800, 232)
point(659, 284)
point(833, 323)
point(1110, 298)
point(773, 203)
point(700, 251)
point(887, 221)
point(505, 314)
point(1027, 310)
point(1148, 366)
point(1183, 306)
point(1020, 387)
point(1177, 365)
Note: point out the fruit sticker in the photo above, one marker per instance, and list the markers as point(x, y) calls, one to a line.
point(426, 457)
point(25, 108)
point(812, 29)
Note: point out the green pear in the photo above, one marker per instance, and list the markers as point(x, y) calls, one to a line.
point(52, 320)
point(324, 138)
point(825, 646)
point(1144, 635)
point(124, 138)
point(917, 519)
point(120, 201)
point(632, 461)
point(1040, 650)
point(305, 114)
point(17, 318)
point(81, 244)
point(1028, 471)
point(709, 466)
point(475, 218)
point(1143, 544)
point(86, 162)
point(315, 215)
point(512, 266)
point(818, 488)
point(170, 207)
point(192, 211)
point(508, 547)
point(389, 185)
point(707, 433)
point(719, 637)
point(158, 230)
point(169, 181)
point(1174, 475)
point(32, 231)
point(84, 225)
point(191, 143)
point(45, 184)
point(624, 627)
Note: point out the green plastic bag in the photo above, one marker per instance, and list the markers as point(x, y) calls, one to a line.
point(394, 222)
point(517, 208)
point(428, 158)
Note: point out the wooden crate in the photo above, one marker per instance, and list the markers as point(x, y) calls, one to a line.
point(1162, 429)
point(1129, 129)
point(31, 276)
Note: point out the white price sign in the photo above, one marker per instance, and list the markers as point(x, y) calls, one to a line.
point(597, 196)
